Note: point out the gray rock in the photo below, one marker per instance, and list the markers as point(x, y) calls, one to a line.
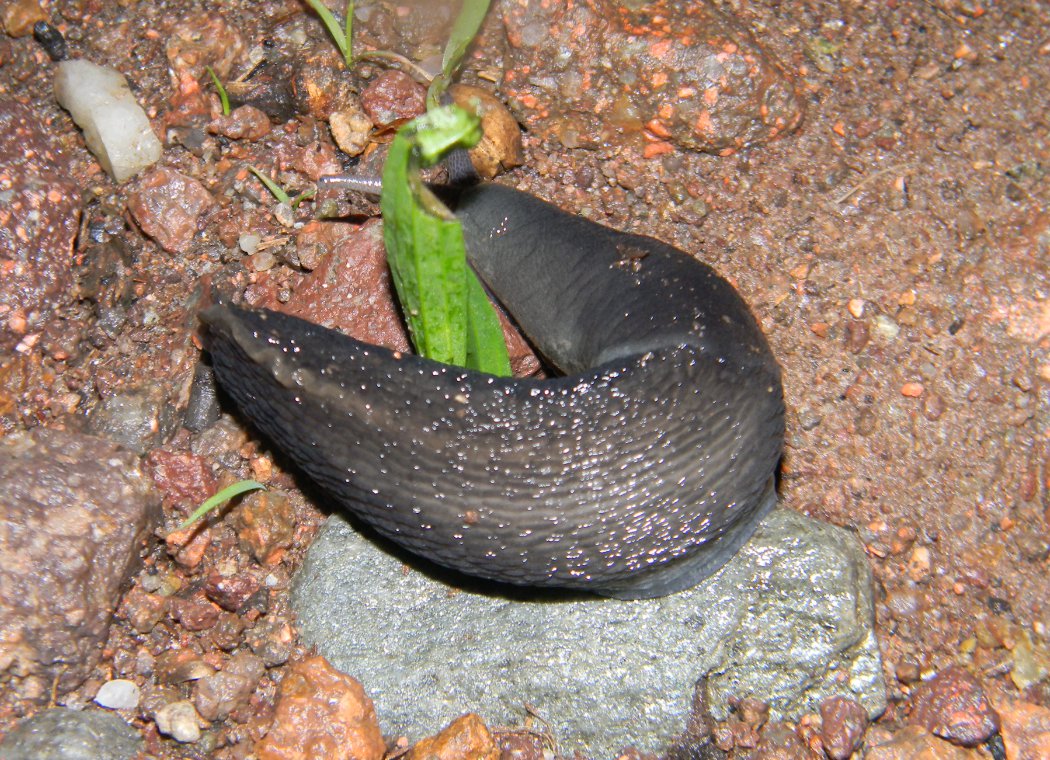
point(789, 620)
point(63, 734)
point(74, 512)
point(138, 418)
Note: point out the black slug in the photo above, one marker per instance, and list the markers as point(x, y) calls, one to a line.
point(638, 473)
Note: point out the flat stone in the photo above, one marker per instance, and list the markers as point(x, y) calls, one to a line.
point(789, 620)
point(64, 734)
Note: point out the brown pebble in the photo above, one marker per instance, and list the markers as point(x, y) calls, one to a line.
point(953, 705)
point(265, 524)
point(843, 725)
point(219, 694)
point(780, 742)
point(230, 593)
point(752, 711)
point(321, 712)
point(908, 671)
point(500, 146)
point(144, 610)
point(520, 745)
point(857, 335)
point(351, 129)
point(19, 16)
point(467, 736)
point(914, 743)
point(167, 205)
point(195, 613)
point(243, 123)
point(393, 97)
point(180, 666)
point(933, 406)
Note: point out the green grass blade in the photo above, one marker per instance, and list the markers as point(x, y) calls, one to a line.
point(342, 41)
point(223, 496)
point(223, 97)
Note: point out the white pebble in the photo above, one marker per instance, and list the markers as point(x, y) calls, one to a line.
point(180, 721)
point(118, 694)
point(249, 242)
point(115, 127)
point(886, 327)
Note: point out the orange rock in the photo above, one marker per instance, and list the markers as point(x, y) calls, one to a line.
point(321, 712)
point(1025, 729)
point(912, 390)
point(465, 738)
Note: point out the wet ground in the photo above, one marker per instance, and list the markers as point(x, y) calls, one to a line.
point(895, 249)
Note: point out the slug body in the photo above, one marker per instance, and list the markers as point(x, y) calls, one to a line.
point(638, 473)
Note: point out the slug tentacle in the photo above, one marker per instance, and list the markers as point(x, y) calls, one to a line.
point(638, 474)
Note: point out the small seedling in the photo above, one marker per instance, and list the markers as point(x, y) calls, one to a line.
point(448, 314)
point(344, 38)
point(220, 498)
point(279, 193)
point(223, 97)
point(464, 30)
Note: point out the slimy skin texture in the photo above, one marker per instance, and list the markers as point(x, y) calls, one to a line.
point(638, 473)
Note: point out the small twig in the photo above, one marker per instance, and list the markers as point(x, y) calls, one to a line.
point(871, 178)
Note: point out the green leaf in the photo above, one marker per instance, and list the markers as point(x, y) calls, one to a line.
point(223, 97)
point(448, 315)
point(464, 30)
point(486, 349)
point(223, 496)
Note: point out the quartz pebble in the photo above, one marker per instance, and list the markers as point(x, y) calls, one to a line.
point(118, 694)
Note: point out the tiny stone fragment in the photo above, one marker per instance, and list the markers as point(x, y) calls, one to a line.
point(167, 205)
point(351, 129)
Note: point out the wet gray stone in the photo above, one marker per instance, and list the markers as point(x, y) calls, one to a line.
point(789, 620)
point(64, 734)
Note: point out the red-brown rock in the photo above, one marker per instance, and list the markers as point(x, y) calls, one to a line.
point(265, 523)
point(843, 724)
point(392, 97)
point(952, 705)
point(167, 205)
